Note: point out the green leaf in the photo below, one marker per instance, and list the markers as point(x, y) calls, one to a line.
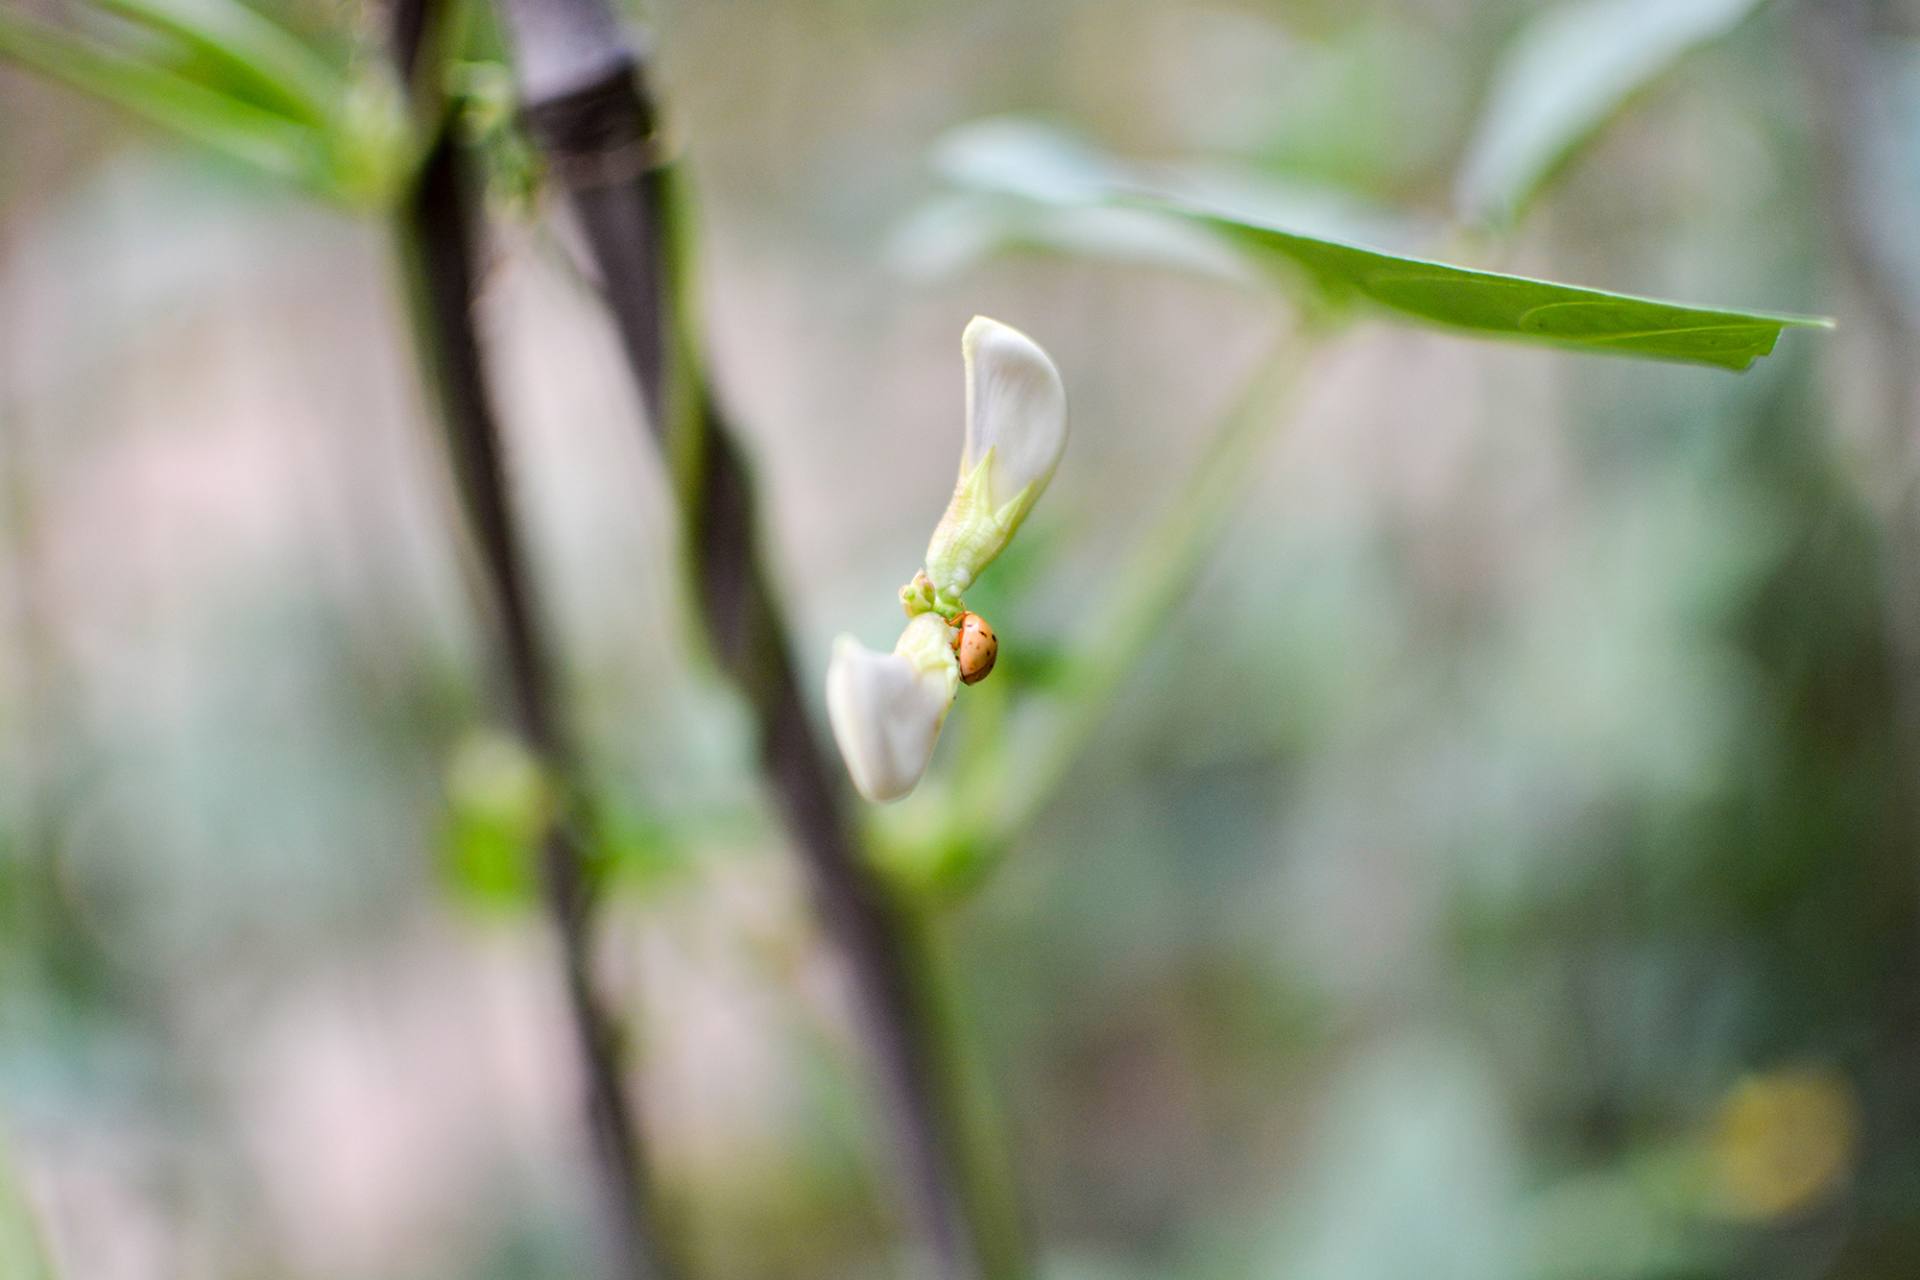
point(269, 61)
point(1027, 185)
point(1512, 307)
point(259, 138)
point(955, 230)
point(1019, 156)
point(1570, 71)
point(1008, 163)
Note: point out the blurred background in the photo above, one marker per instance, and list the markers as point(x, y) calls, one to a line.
point(1505, 862)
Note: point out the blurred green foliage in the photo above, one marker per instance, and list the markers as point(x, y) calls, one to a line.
point(1565, 75)
point(227, 78)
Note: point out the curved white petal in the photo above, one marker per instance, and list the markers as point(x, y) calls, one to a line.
point(1016, 406)
point(887, 708)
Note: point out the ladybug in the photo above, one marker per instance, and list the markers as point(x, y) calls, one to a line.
point(977, 647)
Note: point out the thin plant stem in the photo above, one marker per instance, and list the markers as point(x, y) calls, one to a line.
point(586, 104)
point(438, 230)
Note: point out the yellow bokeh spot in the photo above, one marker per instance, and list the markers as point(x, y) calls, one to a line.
point(1783, 1142)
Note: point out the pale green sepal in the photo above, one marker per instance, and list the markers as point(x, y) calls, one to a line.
point(974, 530)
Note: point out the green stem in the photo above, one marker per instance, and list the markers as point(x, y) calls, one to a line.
point(982, 1157)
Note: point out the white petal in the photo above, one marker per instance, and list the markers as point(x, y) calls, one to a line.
point(1016, 406)
point(887, 708)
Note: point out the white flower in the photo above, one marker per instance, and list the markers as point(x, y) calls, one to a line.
point(887, 708)
point(1016, 432)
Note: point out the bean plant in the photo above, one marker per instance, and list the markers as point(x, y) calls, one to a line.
point(455, 111)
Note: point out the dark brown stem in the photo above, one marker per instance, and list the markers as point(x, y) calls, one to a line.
point(588, 108)
point(439, 232)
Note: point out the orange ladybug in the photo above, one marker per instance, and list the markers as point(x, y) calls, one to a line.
point(976, 646)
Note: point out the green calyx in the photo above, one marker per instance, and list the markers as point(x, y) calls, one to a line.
point(921, 596)
point(971, 533)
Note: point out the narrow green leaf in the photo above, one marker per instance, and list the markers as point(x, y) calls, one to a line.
point(1028, 185)
point(1506, 306)
point(955, 230)
point(1570, 71)
point(268, 60)
point(259, 138)
point(1056, 174)
point(1023, 156)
